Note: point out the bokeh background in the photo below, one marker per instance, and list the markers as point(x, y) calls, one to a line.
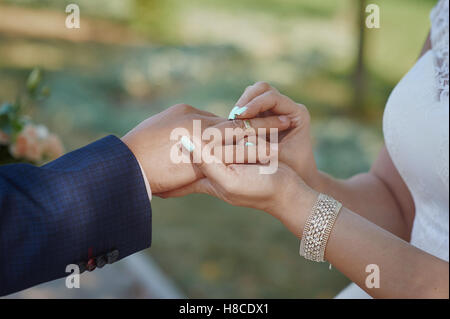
point(133, 58)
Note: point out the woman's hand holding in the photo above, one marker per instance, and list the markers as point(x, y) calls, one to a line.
point(295, 145)
point(282, 194)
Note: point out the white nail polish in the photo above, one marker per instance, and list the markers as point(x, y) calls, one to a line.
point(232, 114)
point(241, 110)
point(187, 144)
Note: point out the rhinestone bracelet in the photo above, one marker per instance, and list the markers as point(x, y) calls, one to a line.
point(318, 228)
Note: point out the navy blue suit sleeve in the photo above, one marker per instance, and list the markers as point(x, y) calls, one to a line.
point(86, 203)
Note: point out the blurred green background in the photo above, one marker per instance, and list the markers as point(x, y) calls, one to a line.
point(133, 58)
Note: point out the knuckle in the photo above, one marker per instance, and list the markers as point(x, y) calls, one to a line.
point(273, 93)
point(191, 115)
point(248, 88)
point(305, 113)
point(263, 85)
point(184, 108)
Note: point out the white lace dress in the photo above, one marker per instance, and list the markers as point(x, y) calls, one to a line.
point(416, 130)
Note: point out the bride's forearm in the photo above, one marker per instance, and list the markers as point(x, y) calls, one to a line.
point(404, 271)
point(367, 195)
point(356, 242)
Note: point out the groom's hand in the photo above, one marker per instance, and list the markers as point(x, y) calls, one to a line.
point(150, 143)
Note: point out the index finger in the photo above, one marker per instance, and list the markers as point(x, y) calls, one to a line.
point(271, 101)
point(254, 126)
point(253, 91)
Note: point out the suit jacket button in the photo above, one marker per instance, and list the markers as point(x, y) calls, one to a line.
point(82, 266)
point(91, 264)
point(112, 256)
point(100, 261)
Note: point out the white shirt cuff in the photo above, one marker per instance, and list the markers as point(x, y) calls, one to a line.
point(147, 184)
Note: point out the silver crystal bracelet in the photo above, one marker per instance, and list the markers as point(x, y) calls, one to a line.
point(318, 228)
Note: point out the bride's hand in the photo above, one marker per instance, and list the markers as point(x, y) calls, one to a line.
point(295, 145)
point(282, 194)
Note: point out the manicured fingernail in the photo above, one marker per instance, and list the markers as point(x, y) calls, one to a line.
point(249, 144)
point(247, 124)
point(241, 110)
point(283, 118)
point(236, 111)
point(187, 144)
point(233, 113)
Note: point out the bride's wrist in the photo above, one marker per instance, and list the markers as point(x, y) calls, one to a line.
point(319, 182)
point(296, 206)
